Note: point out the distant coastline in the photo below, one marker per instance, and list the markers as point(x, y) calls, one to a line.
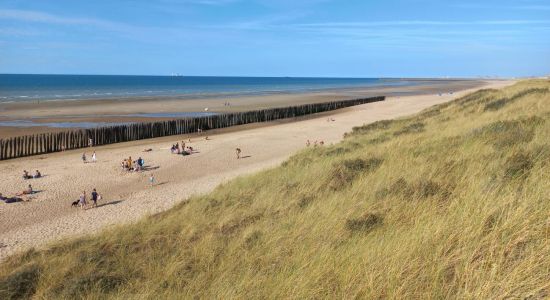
point(34, 88)
point(33, 117)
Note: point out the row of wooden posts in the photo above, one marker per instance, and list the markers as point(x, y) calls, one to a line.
point(79, 138)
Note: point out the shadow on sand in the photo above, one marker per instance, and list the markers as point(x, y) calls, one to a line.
point(149, 168)
point(110, 203)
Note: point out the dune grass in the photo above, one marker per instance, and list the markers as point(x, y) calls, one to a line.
point(451, 203)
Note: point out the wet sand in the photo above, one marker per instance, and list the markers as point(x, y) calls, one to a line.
point(117, 110)
point(48, 216)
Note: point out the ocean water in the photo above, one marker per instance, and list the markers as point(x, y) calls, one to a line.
point(74, 87)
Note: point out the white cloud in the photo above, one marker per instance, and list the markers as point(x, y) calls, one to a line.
point(36, 16)
point(423, 23)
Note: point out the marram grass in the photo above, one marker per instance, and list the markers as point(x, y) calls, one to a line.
point(451, 203)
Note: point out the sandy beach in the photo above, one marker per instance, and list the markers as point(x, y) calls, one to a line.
point(127, 197)
point(125, 109)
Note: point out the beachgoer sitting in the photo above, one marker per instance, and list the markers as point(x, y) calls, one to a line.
point(147, 150)
point(37, 174)
point(26, 191)
point(140, 162)
point(26, 175)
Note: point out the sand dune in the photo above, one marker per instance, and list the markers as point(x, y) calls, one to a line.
point(127, 196)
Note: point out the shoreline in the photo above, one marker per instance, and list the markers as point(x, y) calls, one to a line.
point(237, 94)
point(127, 198)
point(120, 111)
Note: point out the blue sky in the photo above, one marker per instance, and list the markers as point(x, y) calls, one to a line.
point(391, 38)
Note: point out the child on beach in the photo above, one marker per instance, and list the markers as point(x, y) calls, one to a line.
point(152, 180)
point(238, 152)
point(94, 158)
point(84, 157)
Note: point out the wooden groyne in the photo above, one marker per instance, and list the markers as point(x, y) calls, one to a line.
point(28, 145)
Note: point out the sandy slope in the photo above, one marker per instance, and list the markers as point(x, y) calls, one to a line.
point(127, 196)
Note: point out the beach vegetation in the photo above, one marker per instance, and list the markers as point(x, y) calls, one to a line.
point(451, 203)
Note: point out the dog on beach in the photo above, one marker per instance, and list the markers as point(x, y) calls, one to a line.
point(75, 203)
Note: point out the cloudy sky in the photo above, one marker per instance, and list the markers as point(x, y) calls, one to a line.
point(345, 38)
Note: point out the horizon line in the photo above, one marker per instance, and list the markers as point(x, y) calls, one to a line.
point(286, 76)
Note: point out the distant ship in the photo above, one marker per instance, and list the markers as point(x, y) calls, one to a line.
point(176, 75)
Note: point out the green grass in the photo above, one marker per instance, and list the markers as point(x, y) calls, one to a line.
point(451, 203)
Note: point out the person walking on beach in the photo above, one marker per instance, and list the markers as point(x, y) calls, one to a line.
point(94, 158)
point(84, 157)
point(90, 142)
point(82, 200)
point(152, 180)
point(238, 152)
point(95, 197)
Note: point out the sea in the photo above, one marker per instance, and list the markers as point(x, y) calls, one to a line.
point(27, 87)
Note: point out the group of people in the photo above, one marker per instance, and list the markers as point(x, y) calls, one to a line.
point(83, 199)
point(28, 191)
point(315, 143)
point(133, 165)
point(181, 149)
point(85, 160)
point(26, 175)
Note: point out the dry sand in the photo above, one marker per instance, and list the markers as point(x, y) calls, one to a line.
point(127, 197)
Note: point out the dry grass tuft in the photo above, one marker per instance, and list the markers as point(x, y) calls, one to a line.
point(518, 165)
point(344, 172)
point(21, 283)
point(411, 128)
point(376, 126)
point(365, 223)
